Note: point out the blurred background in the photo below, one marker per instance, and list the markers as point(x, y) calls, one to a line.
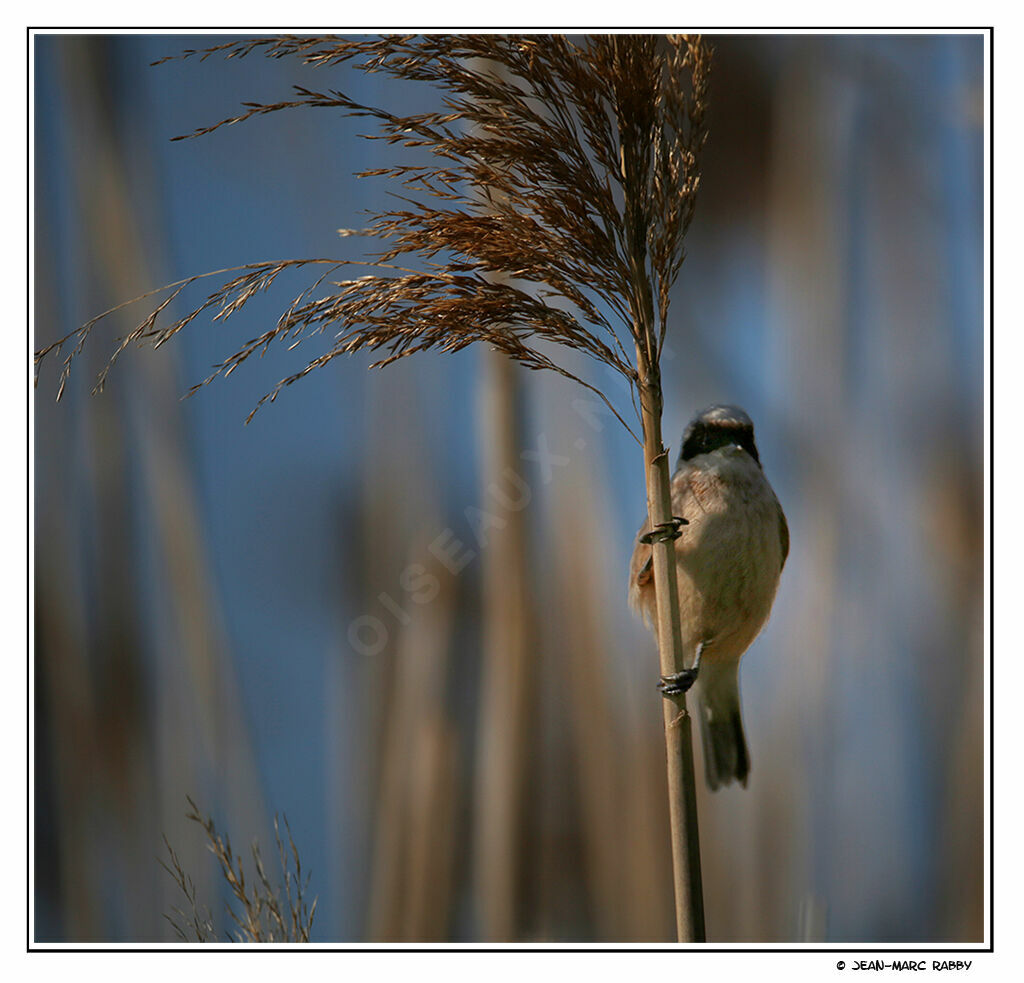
point(393, 607)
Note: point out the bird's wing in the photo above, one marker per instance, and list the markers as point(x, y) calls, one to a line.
point(685, 501)
point(641, 568)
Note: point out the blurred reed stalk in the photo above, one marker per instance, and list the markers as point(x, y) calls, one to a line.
point(560, 178)
point(412, 760)
point(414, 842)
point(509, 646)
point(619, 777)
point(504, 712)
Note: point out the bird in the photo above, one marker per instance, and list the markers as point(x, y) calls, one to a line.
point(732, 543)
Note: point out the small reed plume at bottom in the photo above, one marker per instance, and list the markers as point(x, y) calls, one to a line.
point(261, 910)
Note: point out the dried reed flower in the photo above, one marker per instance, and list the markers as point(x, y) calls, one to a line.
point(561, 179)
point(568, 169)
point(263, 914)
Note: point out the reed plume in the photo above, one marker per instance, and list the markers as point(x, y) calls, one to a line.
point(261, 910)
point(584, 156)
point(545, 205)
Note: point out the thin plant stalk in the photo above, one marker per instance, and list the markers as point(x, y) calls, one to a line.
point(682, 795)
point(640, 252)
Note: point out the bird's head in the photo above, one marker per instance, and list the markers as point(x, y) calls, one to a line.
point(718, 426)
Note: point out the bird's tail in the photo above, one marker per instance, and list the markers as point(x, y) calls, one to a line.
point(721, 725)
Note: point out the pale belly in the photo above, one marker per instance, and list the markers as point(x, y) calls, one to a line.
point(728, 561)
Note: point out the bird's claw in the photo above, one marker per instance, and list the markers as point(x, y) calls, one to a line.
point(678, 683)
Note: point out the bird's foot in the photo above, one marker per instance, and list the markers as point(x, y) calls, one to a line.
point(665, 531)
point(678, 683)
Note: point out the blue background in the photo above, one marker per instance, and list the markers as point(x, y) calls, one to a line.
point(196, 579)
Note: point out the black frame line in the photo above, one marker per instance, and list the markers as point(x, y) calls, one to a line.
point(474, 948)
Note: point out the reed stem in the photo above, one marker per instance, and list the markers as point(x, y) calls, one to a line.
point(682, 793)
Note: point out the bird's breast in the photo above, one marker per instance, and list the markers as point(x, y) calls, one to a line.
point(729, 556)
